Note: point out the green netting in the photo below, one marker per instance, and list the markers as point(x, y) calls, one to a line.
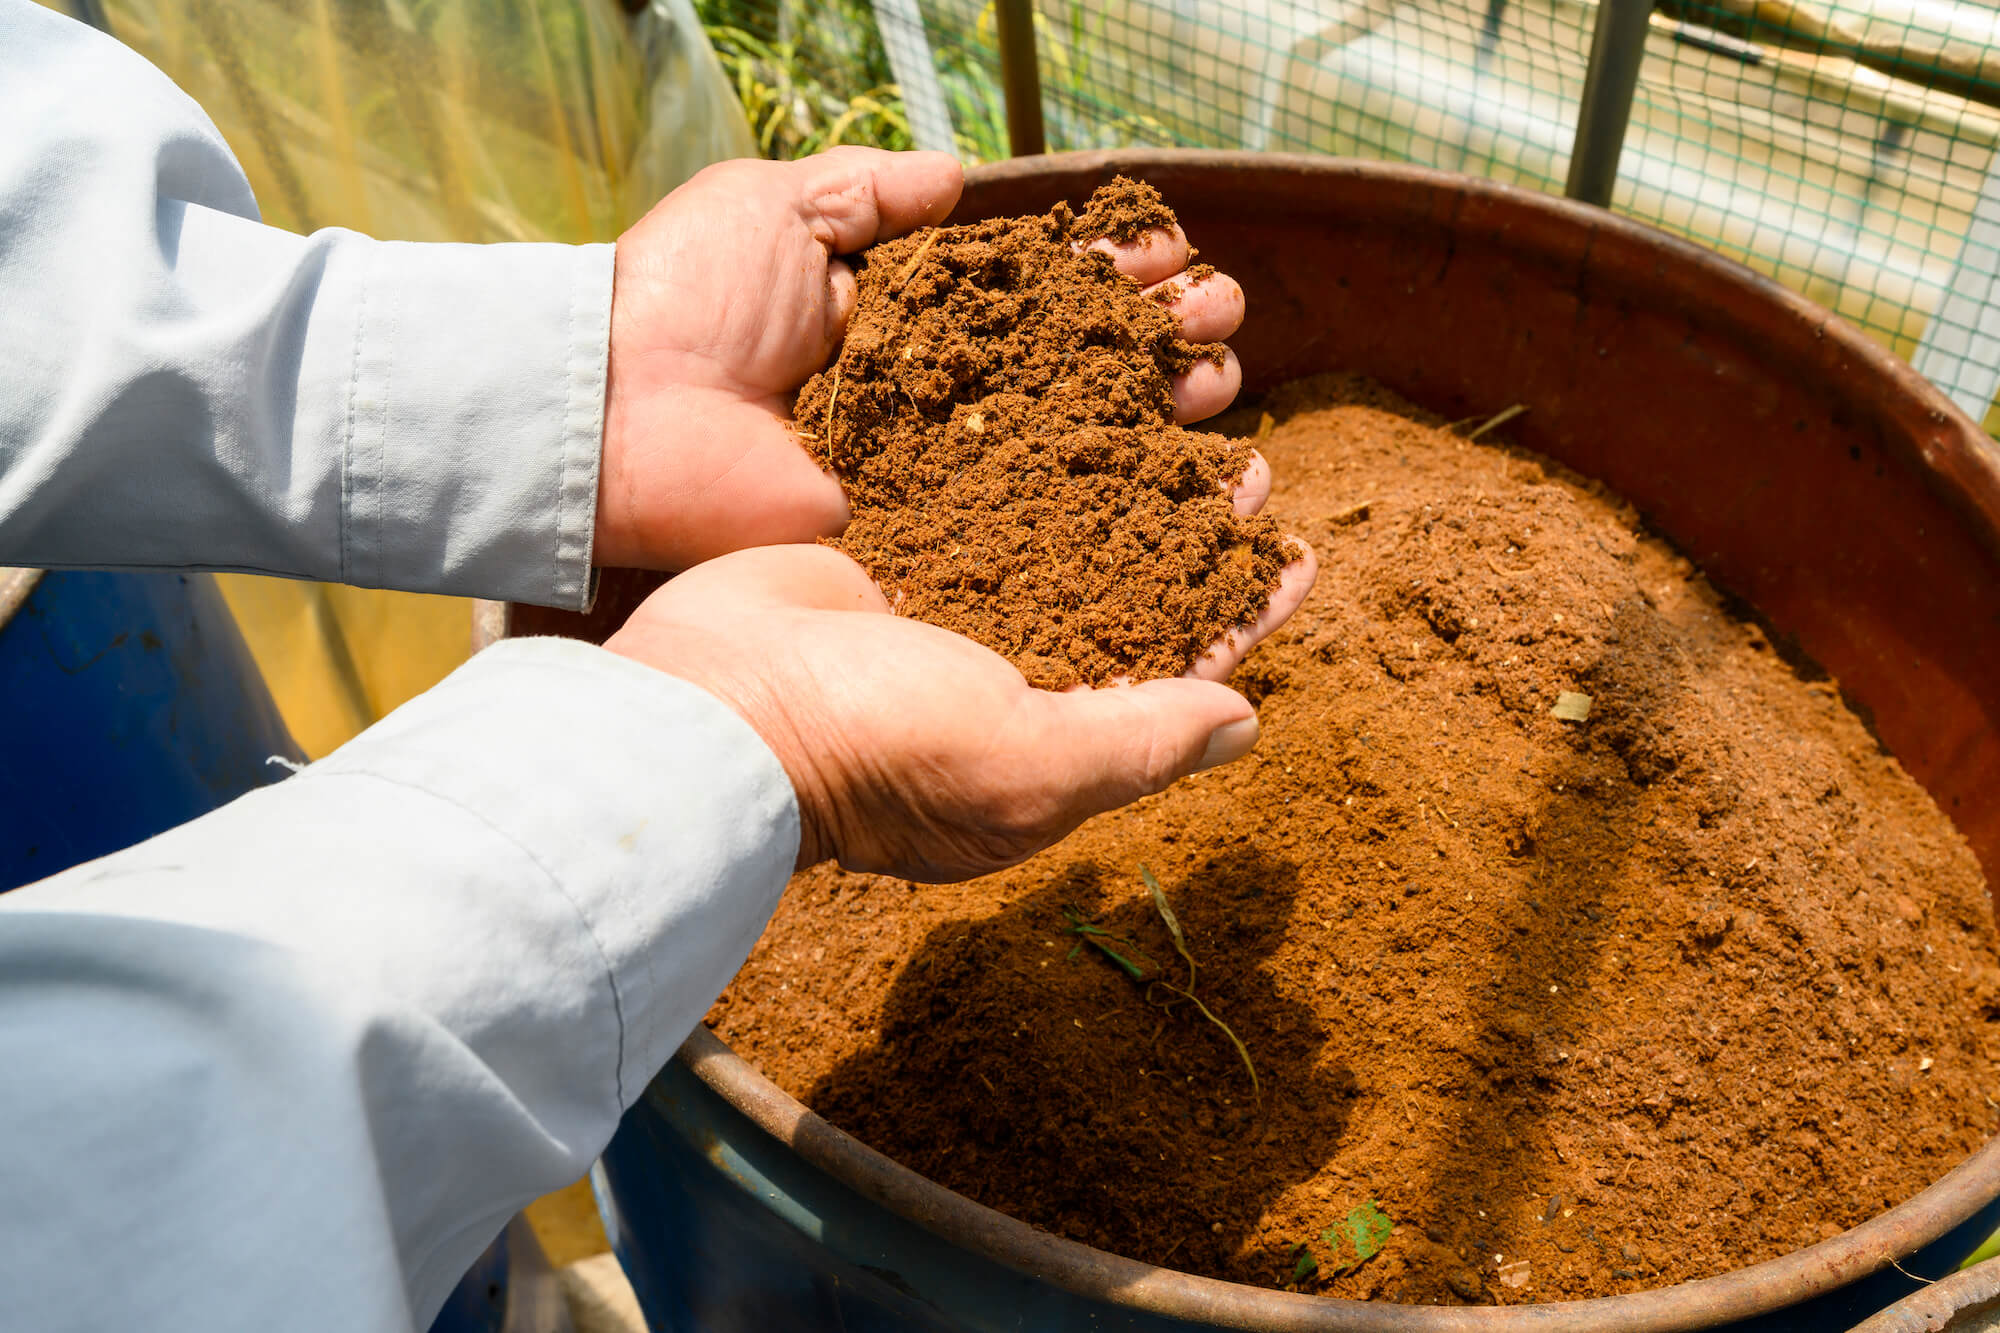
point(1846, 149)
point(1836, 150)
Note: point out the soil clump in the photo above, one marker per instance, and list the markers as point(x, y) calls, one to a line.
point(1001, 417)
point(1584, 1006)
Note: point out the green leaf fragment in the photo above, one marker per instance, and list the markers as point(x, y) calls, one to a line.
point(1365, 1230)
point(1096, 937)
point(1132, 969)
point(1369, 1227)
point(1303, 1263)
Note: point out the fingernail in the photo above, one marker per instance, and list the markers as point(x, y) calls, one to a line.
point(1228, 742)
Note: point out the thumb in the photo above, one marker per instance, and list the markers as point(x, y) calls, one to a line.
point(1120, 743)
point(852, 197)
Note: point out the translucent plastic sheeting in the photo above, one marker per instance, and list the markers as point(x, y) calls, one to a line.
point(428, 120)
point(436, 120)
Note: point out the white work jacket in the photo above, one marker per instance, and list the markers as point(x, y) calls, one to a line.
point(293, 1065)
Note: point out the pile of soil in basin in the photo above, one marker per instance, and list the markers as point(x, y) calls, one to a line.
point(1583, 1004)
point(1001, 418)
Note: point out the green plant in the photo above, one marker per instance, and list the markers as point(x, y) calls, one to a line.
point(970, 81)
point(1366, 1230)
point(809, 77)
point(1180, 946)
point(1362, 1233)
point(1078, 93)
point(1100, 939)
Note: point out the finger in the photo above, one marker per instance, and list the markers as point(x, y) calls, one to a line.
point(853, 197)
point(1208, 311)
point(1206, 388)
point(1253, 487)
point(1294, 582)
point(842, 292)
point(1109, 747)
point(1150, 257)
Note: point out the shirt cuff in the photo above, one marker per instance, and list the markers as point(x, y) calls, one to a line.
point(475, 419)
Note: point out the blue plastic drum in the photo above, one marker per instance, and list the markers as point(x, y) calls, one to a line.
point(131, 705)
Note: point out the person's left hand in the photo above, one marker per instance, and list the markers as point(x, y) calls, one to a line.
point(724, 299)
point(729, 294)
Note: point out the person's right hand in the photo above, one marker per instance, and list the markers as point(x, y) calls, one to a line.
point(913, 750)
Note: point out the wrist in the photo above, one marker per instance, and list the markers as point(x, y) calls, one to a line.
point(613, 541)
point(754, 700)
point(616, 539)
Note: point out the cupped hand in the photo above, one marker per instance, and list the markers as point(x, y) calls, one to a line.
point(913, 750)
point(730, 293)
point(724, 299)
point(1208, 310)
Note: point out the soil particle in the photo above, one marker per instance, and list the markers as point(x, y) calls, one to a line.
point(1586, 1007)
point(1001, 417)
point(1123, 211)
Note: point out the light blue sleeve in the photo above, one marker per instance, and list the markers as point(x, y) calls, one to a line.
point(293, 1065)
point(182, 387)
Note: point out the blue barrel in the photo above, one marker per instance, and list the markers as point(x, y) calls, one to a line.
point(131, 705)
point(725, 1226)
point(511, 1289)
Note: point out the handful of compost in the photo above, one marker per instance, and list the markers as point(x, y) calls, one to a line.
point(1003, 417)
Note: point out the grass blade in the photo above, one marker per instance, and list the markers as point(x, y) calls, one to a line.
point(1098, 938)
point(1167, 915)
point(1241, 1050)
point(1500, 418)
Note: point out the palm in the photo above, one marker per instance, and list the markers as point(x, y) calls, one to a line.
point(913, 751)
point(727, 297)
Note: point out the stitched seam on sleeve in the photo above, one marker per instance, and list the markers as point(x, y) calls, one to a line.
point(589, 338)
point(377, 479)
point(570, 442)
point(555, 882)
point(347, 440)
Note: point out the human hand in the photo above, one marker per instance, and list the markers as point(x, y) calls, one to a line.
point(914, 751)
point(724, 299)
point(729, 294)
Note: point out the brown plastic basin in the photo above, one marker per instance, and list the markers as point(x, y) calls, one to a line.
point(1803, 467)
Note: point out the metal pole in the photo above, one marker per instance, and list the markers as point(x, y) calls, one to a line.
point(1020, 77)
point(1617, 47)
